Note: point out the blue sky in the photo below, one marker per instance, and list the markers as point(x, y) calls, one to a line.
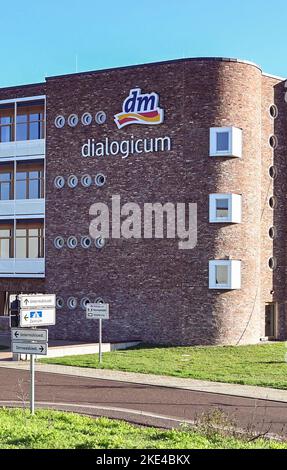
point(53, 37)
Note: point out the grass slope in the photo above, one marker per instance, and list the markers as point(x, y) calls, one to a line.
point(262, 364)
point(58, 430)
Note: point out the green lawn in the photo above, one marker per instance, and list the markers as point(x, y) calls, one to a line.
point(58, 430)
point(262, 364)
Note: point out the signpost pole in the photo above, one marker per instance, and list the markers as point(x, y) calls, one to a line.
point(32, 384)
point(100, 340)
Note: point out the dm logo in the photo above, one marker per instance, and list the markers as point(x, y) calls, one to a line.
point(140, 108)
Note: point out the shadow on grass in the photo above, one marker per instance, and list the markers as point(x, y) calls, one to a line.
point(271, 362)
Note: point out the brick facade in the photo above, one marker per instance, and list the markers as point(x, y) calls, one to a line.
point(158, 293)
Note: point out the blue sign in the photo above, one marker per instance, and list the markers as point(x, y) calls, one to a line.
point(36, 314)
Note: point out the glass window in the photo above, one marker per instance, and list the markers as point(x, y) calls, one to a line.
point(22, 118)
point(35, 130)
point(34, 189)
point(21, 251)
point(221, 274)
point(6, 185)
point(222, 207)
point(5, 191)
point(5, 134)
point(21, 185)
point(6, 242)
point(6, 123)
point(222, 141)
point(30, 121)
point(22, 131)
point(33, 247)
point(30, 241)
point(30, 183)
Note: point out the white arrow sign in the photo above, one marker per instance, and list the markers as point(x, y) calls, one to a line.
point(37, 317)
point(37, 301)
point(97, 311)
point(29, 335)
point(30, 348)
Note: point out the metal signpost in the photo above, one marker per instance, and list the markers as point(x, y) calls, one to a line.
point(37, 317)
point(35, 310)
point(29, 347)
point(37, 301)
point(99, 312)
point(19, 334)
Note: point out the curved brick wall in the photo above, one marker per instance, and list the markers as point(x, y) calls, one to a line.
point(234, 316)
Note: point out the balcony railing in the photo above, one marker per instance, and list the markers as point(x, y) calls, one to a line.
point(22, 208)
point(24, 267)
point(22, 148)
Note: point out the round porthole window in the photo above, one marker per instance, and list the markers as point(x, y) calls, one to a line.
point(84, 302)
point(272, 171)
point(101, 117)
point(73, 120)
point(72, 181)
point(272, 232)
point(60, 121)
point(86, 181)
point(72, 242)
point(100, 300)
point(59, 242)
point(272, 263)
point(100, 179)
point(273, 110)
point(59, 182)
point(60, 302)
point(72, 303)
point(100, 242)
point(273, 141)
point(87, 119)
point(272, 202)
point(86, 242)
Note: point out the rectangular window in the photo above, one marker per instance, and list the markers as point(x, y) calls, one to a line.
point(222, 208)
point(7, 113)
point(29, 181)
point(221, 274)
point(222, 141)
point(30, 120)
point(29, 240)
point(6, 183)
point(225, 274)
point(225, 208)
point(225, 142)
point(6, 241)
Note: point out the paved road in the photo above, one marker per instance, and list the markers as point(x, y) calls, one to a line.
point(143, 404)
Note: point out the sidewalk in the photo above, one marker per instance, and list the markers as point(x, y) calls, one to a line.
point(246, 391)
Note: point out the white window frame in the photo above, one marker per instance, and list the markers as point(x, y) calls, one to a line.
point(234, 208)
point(234, 274)
point(235, 142)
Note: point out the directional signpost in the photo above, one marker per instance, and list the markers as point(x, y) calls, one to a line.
point(19, 334)
point(98, 311)
point(35, 310)
point(29, 348)
point(37, 301)
point(36, 317)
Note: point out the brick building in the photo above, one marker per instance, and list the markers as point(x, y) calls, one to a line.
point(61, 150)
